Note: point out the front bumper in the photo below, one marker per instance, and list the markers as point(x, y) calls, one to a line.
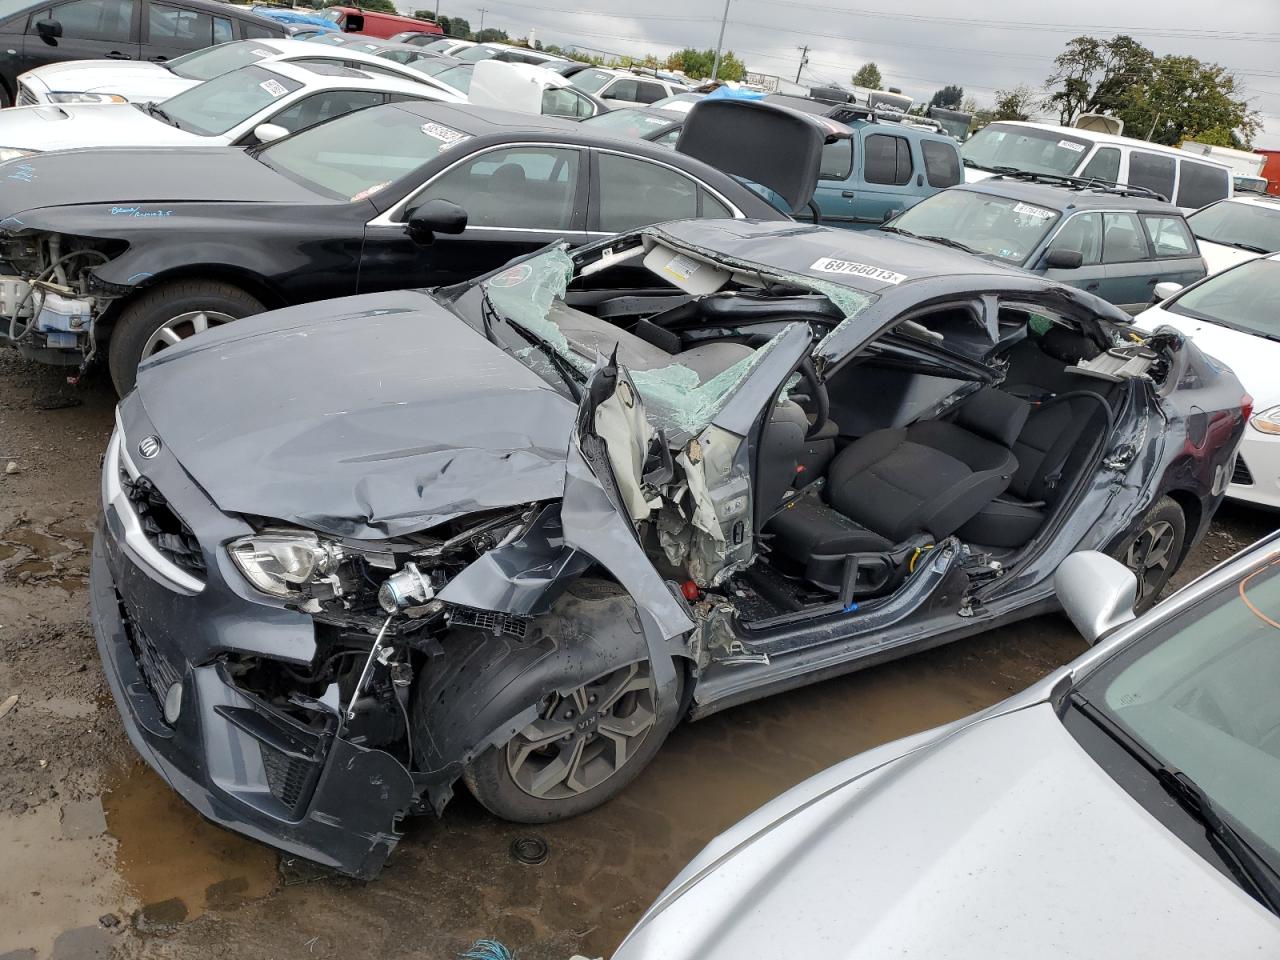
point(1256, 476)
point(239, 761)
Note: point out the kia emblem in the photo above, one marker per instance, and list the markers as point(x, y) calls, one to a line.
point(148, 447)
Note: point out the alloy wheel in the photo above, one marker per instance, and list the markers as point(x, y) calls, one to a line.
point(586, 736)
point(181, 327)
point(1149, 557)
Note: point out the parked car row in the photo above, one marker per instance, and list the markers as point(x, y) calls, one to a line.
point(461, 447)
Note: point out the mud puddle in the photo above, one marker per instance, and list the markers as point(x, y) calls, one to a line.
point(78, 873)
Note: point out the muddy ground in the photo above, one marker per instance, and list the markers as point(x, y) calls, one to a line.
point(99, 858)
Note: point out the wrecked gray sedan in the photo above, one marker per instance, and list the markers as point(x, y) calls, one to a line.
point(509, 533)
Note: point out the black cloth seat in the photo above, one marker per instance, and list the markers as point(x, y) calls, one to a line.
point(891, 485)
point(1046, 448)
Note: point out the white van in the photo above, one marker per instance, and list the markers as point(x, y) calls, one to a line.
point(1189, 181)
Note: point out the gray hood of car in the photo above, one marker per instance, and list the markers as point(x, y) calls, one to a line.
point(367, 417)
point(1004, 839)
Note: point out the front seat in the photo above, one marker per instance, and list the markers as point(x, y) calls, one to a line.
point(892, 485)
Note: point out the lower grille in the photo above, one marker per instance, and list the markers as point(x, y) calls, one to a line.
point(158, 672)
point(166, 530)
point(1240, 473)
point(25, 97)
point(290, 779)
point(489, 621)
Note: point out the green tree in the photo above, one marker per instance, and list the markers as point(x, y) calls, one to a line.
point(377, 6)
point(949, 97)
point(1015, 104)
point(1094, 76)
point(491, 35)
point(868, 76)
point(458, 27)
point(697, 64)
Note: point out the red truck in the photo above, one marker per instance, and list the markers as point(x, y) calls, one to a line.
point(374, 24)
point(1271, 170)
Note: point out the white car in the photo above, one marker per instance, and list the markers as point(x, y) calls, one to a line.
point(507, 53)
point(1123, 807)
point(620, 88)
point(132, 81)
point(244, 107)
point(1234, 316)
point(1238, 229)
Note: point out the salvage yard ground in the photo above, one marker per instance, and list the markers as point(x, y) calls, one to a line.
point(100, 857)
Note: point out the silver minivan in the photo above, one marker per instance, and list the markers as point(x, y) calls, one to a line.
point(1008, 146)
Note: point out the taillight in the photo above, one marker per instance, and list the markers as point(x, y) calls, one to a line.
point(1246, 407)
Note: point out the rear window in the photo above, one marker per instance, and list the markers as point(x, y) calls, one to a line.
point(887, 159)
point(941, 163)
point(1153, 171)
point(837, 160)
point(1200, 184)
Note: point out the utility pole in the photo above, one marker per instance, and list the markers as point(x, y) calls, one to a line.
point(715, 67)
point(483, 11)
point(437, 11)
point(804, 61)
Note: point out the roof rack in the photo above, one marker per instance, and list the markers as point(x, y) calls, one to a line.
point(1083, 183)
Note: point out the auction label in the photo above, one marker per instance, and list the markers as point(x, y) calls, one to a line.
point(446, 135)
point(1071, 145)
point(850, 269)
point(1027, 210)
point(274, 87)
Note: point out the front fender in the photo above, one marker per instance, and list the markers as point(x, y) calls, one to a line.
point(485, 688)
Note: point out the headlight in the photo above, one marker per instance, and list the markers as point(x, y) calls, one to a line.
point(279, 562)
point(73, 97)
point(14, 153)
point(1268, 421)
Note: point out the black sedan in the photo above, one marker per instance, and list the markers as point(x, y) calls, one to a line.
point(149, 247)
point(357, 554)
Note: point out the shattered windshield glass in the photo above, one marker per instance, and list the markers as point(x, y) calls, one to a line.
point(530, 295)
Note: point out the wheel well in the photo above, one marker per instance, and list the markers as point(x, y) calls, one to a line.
point(1192, 513)
point(251, 283)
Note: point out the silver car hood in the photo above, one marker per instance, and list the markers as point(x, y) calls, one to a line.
point(70, 125)
point(945, 853)
point(128, 78)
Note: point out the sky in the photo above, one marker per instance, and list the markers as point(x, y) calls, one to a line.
point(919, 45)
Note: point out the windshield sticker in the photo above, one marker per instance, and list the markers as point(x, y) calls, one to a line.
point(368, 192)
point(1040, 213)
point(681, 267)
point(446, 135)
point(1071, 145)
point(259, 52)
point(510, 278)
point(274, 88)
point(24, 173)
point(850, 269)
point(138, 212)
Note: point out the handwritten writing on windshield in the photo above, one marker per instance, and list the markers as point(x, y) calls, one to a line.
point(139, 212)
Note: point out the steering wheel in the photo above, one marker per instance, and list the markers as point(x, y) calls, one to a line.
point(817, 396)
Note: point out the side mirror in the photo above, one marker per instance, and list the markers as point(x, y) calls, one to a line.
point(1097, 593)
point(889, 215)
point(266, 132)
point(1164, 290)
point(49, 30)
point(435, 216)
point(1063, 259)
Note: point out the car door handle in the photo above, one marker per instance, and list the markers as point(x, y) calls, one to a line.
point(847, 194)
point(117, 55)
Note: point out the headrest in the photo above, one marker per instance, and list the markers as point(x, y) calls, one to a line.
point(993, 414)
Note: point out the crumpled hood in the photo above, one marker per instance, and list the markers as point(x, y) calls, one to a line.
point(122, 179)
point(369, 417)
point(130, 79)
point(69, 125)
point(1004, 840)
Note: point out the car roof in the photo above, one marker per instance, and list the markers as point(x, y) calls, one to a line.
point(1068, 197)
point(869, 261)
point(323, 75)
point(231, 9)
point(1112, 139)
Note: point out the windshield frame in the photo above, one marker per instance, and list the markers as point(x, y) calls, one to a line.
point(1046, 134)
point(1264, 213)
point(259, 75)
point(212, 52)
point(950, 195)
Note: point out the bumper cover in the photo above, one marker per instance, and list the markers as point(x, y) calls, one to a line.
point(349, 821)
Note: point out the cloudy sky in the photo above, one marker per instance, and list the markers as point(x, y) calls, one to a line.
point(920, 45)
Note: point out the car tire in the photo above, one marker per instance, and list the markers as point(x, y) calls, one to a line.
point(1154, 552)
point(183, 307)
point(502, 782)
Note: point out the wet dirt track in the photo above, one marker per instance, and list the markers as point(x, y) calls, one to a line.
point(99, 858)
